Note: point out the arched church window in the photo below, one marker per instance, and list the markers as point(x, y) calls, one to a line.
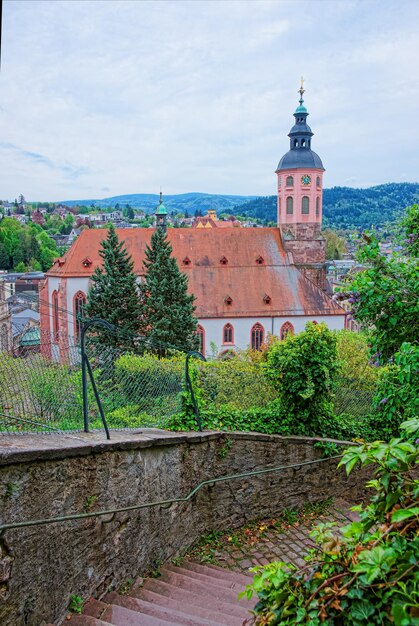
point(55, 315)
point(201, 338)
point(303, 143)
point(228, 334)
point(290, 205)
point(257, 336)
point(295, 143)
point(318, 181)
point(79, 302)
point(290, 181)
point(305, 205)
point(317, 206)
point(286, 329)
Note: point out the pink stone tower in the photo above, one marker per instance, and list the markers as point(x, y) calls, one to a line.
point(300, 184)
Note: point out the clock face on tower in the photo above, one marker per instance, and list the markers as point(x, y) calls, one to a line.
point(306, 179)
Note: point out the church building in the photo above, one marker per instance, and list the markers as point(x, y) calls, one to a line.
point(248, 282)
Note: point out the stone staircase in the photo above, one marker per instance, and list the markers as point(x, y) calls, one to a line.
point(191, 595)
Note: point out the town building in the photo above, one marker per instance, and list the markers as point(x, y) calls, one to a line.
point(248, 282)
point(5, 321)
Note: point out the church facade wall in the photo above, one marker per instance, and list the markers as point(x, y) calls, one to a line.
point(213, 327)
point(242, 327)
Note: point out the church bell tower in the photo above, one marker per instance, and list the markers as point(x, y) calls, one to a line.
point(300, 186)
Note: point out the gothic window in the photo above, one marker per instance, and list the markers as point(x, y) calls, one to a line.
point(257, 336)
point(318, 181)
point(290, 205)
point(79, 302)
point(55, 315)
point(286, 329)
point(201, 338)
point(305, 205)
point(290, 181)
point(228, 334)
point(317, 207)
point(279, 181)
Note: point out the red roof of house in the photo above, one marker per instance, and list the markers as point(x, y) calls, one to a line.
point(242, 278)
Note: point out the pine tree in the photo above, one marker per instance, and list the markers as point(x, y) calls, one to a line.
point(114, 294)
point(168, 308)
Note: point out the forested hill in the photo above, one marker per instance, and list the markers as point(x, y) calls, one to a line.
point(346, 207)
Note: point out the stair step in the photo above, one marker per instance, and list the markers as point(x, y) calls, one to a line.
point(193, 610)
point(211, 578)
point(200, 600)
point(85, 620)
point(156, 610)
point(121, 616)
point(210, 590)
point(225, 574)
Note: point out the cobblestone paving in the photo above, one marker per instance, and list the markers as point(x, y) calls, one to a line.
point(272, 540)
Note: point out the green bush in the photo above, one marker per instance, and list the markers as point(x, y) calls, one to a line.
point(397, 396)
point(235, 382)
point(369, 573)
point(303, 369)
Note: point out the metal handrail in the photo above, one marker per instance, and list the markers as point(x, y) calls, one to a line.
point(162, 503)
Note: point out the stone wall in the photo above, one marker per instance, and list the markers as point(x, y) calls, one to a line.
point(308, 249)
point(44, 476)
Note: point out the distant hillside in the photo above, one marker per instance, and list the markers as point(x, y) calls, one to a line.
point(183, 202)
point(345, 207)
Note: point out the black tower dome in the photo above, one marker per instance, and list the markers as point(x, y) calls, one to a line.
point(300, 154)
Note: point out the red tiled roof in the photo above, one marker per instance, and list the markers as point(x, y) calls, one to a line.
point(242, 279)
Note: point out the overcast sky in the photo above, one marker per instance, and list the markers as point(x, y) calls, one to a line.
point(100, 98)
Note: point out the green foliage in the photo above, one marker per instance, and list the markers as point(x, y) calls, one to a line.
point(238, 383)
point(353, 352)
point(168, 308)
point(335, 245)
point(410, 225)
point(114, 295)
point(76, 604)
point(367, 575)
point(397, 395)
point(22, 245)
point(302, 369)
point(385, 295)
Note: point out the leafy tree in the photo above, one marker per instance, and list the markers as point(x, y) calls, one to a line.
point(168, 308)
point(114, 294)
point(20, 267)
point(302, 368)
point(335, 245)
point(385, 295)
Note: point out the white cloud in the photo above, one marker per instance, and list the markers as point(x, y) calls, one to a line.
point(122, 97)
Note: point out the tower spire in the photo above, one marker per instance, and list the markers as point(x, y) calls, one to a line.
point(301, 91)
point(161, 214)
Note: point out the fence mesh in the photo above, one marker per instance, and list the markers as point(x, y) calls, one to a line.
point(139, 384)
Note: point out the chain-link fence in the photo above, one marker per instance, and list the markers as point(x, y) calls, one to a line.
point(41, 384)
point(138, 383)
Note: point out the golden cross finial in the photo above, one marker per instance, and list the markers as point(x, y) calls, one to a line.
point(301, 90)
